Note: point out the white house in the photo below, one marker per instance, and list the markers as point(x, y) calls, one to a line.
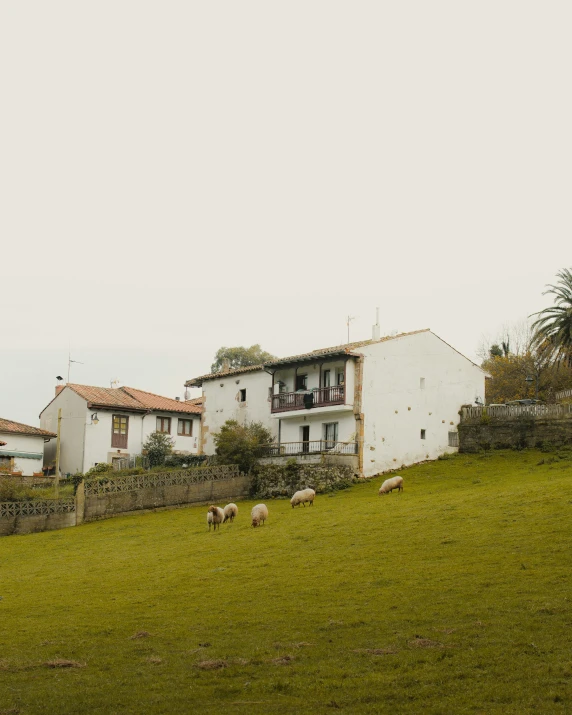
point(22, 447)
point(101, 424)
point(381, 403)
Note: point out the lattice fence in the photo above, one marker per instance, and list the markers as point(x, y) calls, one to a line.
point(512, 412)
point(104, 485)
point(36, 508)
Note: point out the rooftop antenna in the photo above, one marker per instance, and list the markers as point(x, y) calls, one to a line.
point(114, 382)
point(348, 321)
point(375, 333)
point(70, 362)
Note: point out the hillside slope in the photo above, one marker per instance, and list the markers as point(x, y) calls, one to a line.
point(451, 597)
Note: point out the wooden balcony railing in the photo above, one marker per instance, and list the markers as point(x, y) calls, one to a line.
point(316, 446)
point(319, 397)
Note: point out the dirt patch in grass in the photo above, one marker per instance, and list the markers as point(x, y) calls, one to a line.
point(377, 651)
point(63, 663)
point(154, 660)
point(140, 634)
point(13, 711)
point(283, 660)
point(419, 642)
point(212, 664)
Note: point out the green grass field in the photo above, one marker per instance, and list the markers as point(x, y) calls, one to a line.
point(452, 597)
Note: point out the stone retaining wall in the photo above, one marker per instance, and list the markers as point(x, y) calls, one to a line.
point(273, 480)
point(519, 433)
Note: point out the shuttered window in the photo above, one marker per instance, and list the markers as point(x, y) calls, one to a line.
point(119, 431)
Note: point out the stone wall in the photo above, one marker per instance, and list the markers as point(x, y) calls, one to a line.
point(99, 506)
point(27, 517)
point(274, 480)
point(518, 433)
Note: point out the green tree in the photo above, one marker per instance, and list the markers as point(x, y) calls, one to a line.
point(240, 444)
point(157, 447)
point(240, 357)
point(553, 327)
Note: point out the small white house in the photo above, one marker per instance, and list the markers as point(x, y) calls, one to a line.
point(101, 424)
point(380, 403)
point(22, 448)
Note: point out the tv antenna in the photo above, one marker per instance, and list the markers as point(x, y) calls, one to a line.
point(70, 364)
point(114, 382)
point(348, 321)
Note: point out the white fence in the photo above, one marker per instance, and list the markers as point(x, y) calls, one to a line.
point(515, 412)
point(563, 394)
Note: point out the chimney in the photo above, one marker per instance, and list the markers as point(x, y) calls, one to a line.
point(177, 399)
point(225, 365)
point(59, 388)
point(375, 333)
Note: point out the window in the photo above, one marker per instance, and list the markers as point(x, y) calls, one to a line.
point(422, 383)
point(422, 434)
point(330, 430)
point(340, 377)
point(453, 439)
point(119, 431)
point(164, 425)
point(301, 382)
point(326, 378)
point(242, 395)
point(185, 428)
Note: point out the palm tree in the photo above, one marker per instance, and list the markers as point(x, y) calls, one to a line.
point(553, 327)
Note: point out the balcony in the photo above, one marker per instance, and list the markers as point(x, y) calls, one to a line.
point(317, 446)
point(319, 397)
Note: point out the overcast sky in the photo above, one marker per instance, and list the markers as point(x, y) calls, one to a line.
point(178, 176)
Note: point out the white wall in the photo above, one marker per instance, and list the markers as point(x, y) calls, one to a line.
point(74, 417)
point(30, 444)
point(98, 437)
point(396, 408)
point(222, 403)
point(290, 430)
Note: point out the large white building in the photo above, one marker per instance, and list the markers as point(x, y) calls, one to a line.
point(22, 448)
point(381, 403)
point(100, 424)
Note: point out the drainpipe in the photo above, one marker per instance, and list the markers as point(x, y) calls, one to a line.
point(142, 420)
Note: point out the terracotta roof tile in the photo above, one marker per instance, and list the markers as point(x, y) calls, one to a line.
point(197, 381)
point(129, 398)
point(8, 426)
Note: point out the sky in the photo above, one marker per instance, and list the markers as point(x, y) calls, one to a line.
point(178, 176)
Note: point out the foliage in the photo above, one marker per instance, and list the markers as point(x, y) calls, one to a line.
point(240, 357)
point(452, 597)
point(12, 489)
point(101, 468)
point(509, 378)
point(158, 447)
point(186, 460)
point(553, 327)
point(240, 444)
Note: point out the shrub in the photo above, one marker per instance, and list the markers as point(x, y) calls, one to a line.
point(240, 444)
point(158, 447)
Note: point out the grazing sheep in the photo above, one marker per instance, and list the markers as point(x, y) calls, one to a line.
point(209, 519)
point(391, 484)
point(302, 497)
point(259, 514)
point(230, 511)
point(217, 516)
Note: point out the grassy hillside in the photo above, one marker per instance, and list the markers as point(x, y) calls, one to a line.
point(452, 597)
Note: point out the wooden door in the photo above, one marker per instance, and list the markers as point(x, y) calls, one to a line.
point(119, 431)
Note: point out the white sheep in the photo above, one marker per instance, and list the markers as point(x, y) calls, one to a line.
point(209, 519)
point(259, 514)
point(302, 497)
point(230, 511)
point(391, 484)
point(217, 516)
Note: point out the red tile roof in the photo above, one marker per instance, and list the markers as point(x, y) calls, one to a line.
point(8, 426)
point(304, 357)
point(128, 398)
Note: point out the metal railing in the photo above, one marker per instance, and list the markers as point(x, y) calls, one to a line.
point(514, 412)
point(319, 397)
point(316, 446)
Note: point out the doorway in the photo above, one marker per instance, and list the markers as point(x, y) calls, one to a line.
point(305, 439)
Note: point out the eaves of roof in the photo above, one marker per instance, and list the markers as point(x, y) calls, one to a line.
point(198, 381)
